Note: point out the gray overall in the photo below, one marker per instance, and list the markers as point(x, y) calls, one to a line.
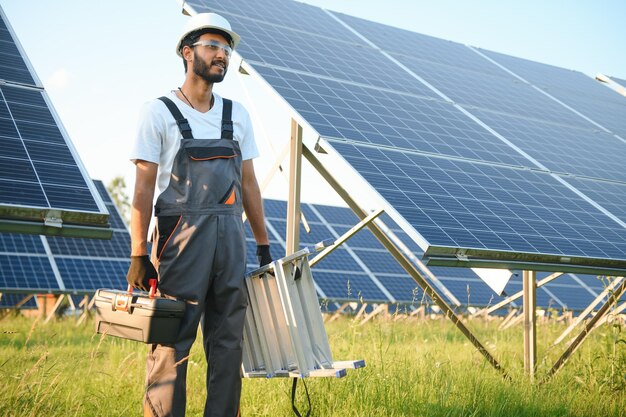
point(199, 250)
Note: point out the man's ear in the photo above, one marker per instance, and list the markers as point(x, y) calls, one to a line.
point(187, 53)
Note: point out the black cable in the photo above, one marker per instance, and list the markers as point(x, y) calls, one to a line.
point(293, 398)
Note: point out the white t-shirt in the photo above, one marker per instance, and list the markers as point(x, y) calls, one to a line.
point(158, 137)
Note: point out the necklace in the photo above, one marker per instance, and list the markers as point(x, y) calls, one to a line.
point(189, 101)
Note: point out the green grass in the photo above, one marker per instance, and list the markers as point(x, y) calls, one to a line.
point(414, 368)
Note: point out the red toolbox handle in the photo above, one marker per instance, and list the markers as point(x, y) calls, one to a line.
point(153, 287)
point(123, 302)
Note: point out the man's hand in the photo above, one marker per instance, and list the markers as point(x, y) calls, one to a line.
point(263, 255)
point(140, 272)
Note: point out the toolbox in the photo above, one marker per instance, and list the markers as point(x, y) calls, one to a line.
point(138, 315)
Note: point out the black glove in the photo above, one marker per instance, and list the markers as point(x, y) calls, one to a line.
point(140, 272)
point(263, 255)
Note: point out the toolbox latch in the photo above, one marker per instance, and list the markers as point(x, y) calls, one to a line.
point(122, 302)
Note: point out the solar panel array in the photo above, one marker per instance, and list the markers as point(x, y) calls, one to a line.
point(363, 270)
point(39, 169)
point(42, 264)
point(360, 270)
point(471, 149)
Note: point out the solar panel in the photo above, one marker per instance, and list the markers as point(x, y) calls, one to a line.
point(30, 263)
point(546, 142)
point(573, 89)
point(346, 274)
point(320, 55)
point(13, 67)
point(469, 190)
point(43, 186)
point(456, 203)
point(391, 119)
point(12, 301)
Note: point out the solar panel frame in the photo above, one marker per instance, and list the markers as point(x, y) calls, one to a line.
point(336, 110)
point(14, 66)
point(66, 265)
point(572, 88)
point(52, 185)
point(597, 255)
point(469, 198)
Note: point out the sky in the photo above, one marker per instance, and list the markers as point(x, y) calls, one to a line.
point(99, 61)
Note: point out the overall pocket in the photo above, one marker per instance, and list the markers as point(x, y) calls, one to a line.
point(166, 226)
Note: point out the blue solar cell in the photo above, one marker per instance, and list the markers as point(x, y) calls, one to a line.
point(26, 272)
point(348, 286)
point(572, 88)
point(502, 92)
point(404, 289)
point(283, 13)
point(117, 247)
point(12, 65)
point(552, 79)
point(10, 166)
point(48, 152)
point(17, 243)
point(115, 220)
point(83, 274)
point(609, 195)
point(75, 198)
point(546, 143)
point(338, 260)
point(381, 263)
point(420, 46)
point(463, 204)
point(307, 52)
point(470, 293)
point(337, 215)
point(114, 217)
point(340, 110)
point(363, 239)
point(60, 175)
point(22, 193)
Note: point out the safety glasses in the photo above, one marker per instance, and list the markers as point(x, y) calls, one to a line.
point(215, 46)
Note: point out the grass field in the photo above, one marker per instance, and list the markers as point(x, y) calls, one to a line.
point(414, 368)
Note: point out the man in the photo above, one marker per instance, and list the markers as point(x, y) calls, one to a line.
point(197, 148)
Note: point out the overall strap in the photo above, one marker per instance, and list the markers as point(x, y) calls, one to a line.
point(183, 124)
point(227, 122)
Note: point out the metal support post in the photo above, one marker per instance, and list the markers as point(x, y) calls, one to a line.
point(55, 307)
point(295, 175)
point(519, 294)
point(400, 257)
point(345, 236)
point(589, 309)
point(613, 298)
point(277, 166)
point(614, 314)
point(530, 322)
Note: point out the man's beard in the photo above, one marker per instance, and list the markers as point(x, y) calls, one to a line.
point(202, 70)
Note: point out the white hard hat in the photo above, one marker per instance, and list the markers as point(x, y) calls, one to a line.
point(207, 21)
